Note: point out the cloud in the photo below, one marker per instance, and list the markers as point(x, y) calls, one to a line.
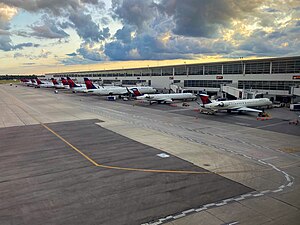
point(57, 7)
point(76, 60)
point(87, 29)
point(71, 54)
point(22, 45)
point(48, 28)
point(159, 29)
point(134, 12)
point(90, 53)
point(43, 54)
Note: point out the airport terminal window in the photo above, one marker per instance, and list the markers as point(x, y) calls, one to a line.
point(232, 69)
point(268, 85)
point(137, 73)
point(156, 72)
point(195, 70)
point(146, 72)
point(180, 70)
point(167, 71)
point(132, 82)
point(292, 66)
point(205, 83)
point(257, 68)
point(213, 69)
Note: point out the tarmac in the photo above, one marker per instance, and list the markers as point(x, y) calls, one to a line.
point(76, 159)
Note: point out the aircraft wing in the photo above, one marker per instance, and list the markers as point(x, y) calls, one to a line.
point(248, 109)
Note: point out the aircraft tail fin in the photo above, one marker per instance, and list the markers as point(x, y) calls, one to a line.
point(135, 92)
point(205, 99)
point(89, 84)
point(54, 81)
point(38, 81)
point(71, 83)
point(64, 81)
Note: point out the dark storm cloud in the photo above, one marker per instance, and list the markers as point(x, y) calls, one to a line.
point(88, 30)
point(276, 44)
point(57, 7)
point(124, 34)
point(64, 14)
point(204, 18)
point(134, 12)
point(87, 51)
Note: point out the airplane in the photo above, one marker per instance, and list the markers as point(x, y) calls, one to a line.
point(44, 84)
point(115, 90)
point(65, 83)
point(234, 105)
point(163, 98)
point(56, 84)
point(103, 90)
point(26, 82)
point(76, 87)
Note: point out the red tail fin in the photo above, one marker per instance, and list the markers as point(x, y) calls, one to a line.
point(136, 92)
point(63, 80)
point(89, 84)
point(71, 83)
point(38, 81)
point(205, 99)
point(54, 81)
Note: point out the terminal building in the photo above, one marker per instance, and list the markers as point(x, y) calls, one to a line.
point(276, 78)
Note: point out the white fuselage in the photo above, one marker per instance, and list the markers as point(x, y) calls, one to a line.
point(166, 97)
point(116, 90)
point(144, 89)
point(112, 90)
point(80, 88)
point(46, 85)
point(236, 104)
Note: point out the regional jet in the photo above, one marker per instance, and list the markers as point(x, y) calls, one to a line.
point(115, 90)
point(234, 105)
point(76, 87)
point(56, 84)
point(44, 84)
point(163, 98)
point(65, 83)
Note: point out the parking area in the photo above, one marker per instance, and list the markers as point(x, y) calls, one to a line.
point(44, 179)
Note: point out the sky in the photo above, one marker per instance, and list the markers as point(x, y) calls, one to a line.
point(44, 36)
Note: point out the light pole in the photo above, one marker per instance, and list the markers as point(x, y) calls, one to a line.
point(243, 73)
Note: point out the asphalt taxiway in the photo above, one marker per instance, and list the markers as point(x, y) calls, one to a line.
point(215, 172)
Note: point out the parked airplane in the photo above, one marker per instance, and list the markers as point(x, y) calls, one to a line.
point(234, 105)
point(65, 83)
point(26, 82)
point(44, 84)
point(103, 90)
point(56, 84)
point(76, 87)
point(163, 98)
point(115, 90)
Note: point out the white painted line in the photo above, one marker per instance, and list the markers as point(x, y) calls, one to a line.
point(163, 155)
point(269, 158)
point(188, 211)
